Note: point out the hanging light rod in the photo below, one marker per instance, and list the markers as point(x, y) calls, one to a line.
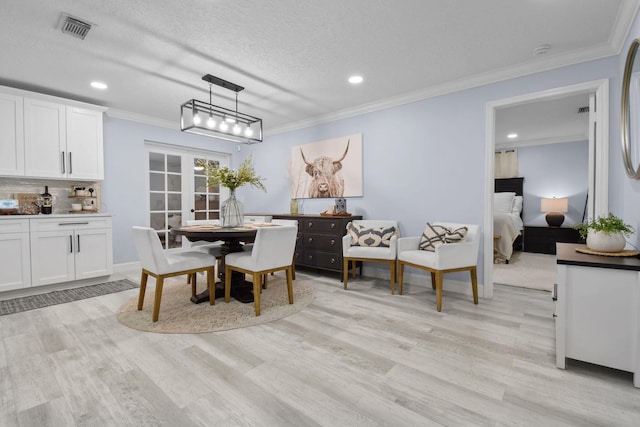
point(206, 119)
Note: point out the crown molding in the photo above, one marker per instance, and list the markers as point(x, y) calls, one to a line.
point(144, 119)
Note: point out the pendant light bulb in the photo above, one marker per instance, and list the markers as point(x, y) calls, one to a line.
point(196, 119)
point(236, 129)
point(224, 126)
point(248, 132)
point(211, 122)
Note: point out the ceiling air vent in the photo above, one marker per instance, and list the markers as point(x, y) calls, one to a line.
point(583, 110)
point(73, 26)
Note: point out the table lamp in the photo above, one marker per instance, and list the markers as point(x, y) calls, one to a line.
point(555, 209)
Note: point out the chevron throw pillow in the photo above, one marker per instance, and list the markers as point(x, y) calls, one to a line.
point(368, 236)
point(435, 235)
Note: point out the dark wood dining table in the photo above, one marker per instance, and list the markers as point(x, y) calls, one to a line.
point(233, 239)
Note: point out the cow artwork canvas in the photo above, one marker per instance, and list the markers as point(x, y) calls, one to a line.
point(327, 169)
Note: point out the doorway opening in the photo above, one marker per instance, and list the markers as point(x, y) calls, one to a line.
point(598, 155)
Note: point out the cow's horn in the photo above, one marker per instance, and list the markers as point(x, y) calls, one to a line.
point(345, 153)
point(304, 158)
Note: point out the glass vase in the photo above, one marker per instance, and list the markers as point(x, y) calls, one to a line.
point(232, 212)
point(293, 206)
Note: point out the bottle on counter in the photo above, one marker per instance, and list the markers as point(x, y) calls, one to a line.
point(47, 201)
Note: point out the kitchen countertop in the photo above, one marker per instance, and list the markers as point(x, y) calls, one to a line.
point(42, 216)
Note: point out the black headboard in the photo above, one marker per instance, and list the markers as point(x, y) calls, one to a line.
point(509, 184)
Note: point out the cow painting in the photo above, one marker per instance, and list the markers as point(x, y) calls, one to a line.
point(326, 179)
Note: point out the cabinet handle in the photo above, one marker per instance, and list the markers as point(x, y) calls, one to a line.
point(78, 248)
point(73, 223)
point(333, 225)
point(70, 164)
point(333, 260)
point(310, 239)
point(555, 315)
point(63, 168)
point(70, 244)
point(310, 224)
point(333, 242)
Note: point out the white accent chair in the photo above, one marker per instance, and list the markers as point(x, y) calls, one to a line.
point(293, 222)
point(447, 258)
point(157, 263)
point(385, 254)
point(272, 251)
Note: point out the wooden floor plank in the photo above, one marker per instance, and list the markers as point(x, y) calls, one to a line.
point(353, 357)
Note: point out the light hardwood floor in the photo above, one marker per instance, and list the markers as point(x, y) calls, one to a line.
point(355, 357)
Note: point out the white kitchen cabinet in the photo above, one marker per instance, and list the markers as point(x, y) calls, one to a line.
point(11, 135)
point(84, 143)
point(47, 137)
point(70, 248)
point(598, 310)
point(14, 253)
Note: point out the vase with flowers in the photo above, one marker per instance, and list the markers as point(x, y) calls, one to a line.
point(231, 210)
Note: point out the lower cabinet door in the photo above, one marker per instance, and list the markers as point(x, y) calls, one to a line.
point(16, 265)
point(52, 255)
point(93, 253)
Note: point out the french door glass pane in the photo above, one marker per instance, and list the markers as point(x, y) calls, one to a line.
point(206, 201)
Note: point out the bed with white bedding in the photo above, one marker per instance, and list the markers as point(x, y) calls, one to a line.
point(507, 218)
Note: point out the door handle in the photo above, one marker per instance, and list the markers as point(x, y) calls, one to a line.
point(78, 249)
point(70, 164)
point(63, 168)
point(70, 244)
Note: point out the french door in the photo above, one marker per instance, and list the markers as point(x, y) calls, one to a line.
point(177, 189)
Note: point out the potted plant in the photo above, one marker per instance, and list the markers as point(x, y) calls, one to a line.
point(605, 234)
point(231, 210)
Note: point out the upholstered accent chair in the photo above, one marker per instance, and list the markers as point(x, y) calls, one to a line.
point(370, 241)
point(447, 257)
point(272, 251)
point(157, 263)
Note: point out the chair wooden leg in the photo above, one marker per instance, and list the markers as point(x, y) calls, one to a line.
point(293, 269)
point(290, 284)
point(433, 280)
point(345, 275)
point(256, 292)
point(227, 284)
point(474, 284)
point(158, 298)
point(264, 281)
point(438, 281)
point(400, 276)
point(393, 276)
point(211, 284)
point(143, 288)
point(353, 267)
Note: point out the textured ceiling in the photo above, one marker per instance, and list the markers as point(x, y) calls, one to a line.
point(293, 57)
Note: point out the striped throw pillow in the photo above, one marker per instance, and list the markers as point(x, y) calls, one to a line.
point(435, 235)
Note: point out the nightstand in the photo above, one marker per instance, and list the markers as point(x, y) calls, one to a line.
point(543, 240)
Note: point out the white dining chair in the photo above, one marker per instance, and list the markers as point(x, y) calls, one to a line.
point(211, 248)
point(157, 263)
point(272, 251)
point(445, 258)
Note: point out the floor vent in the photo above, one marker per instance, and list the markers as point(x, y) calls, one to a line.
point(73, 26)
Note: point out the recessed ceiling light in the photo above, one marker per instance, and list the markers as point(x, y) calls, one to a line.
point(98, 85)
point(354, 80)
point(512, 135)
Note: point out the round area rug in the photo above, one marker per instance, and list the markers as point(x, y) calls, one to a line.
point(178, 315)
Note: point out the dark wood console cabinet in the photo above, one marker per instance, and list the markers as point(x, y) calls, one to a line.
point(320, 240)
point(543, 240)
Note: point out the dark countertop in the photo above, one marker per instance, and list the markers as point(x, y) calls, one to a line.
point(567, 255)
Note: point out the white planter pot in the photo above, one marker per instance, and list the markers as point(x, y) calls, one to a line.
point(605, 242)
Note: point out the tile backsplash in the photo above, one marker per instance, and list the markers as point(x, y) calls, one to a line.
point(61, 191)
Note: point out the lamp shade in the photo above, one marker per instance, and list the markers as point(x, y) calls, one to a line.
point(554, 204)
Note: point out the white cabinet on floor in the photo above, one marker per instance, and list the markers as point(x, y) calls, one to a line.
point(11, 135)
point(14, 253)
point(598, 310)
point(70, 248)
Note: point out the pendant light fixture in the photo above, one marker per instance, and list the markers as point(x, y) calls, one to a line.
point(211, 120)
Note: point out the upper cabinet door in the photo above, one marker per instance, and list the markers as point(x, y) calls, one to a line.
point(45, 139)
point(11, 135)
point(84, 143)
